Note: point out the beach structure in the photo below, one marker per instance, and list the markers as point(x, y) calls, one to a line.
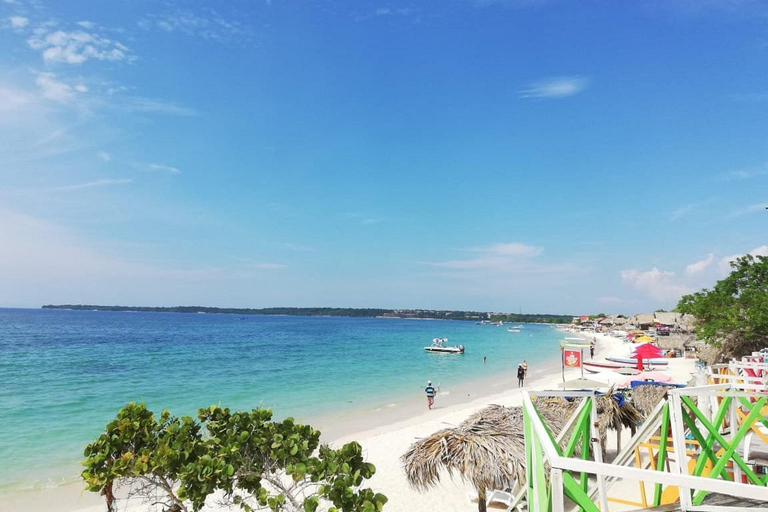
point(487, 449)
point(698, 447)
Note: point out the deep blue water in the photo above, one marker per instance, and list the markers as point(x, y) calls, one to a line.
point(66, 373)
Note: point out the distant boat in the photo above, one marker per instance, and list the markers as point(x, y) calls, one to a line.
point(518, 326)
point(633, 361)
point(438, 346)
point(510, 329)
point(497, 324)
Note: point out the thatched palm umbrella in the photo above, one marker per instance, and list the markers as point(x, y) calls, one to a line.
point(487, 449)
point(611, 414)
point(647, 396)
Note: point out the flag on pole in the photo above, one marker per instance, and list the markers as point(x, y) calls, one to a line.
point(572, 358)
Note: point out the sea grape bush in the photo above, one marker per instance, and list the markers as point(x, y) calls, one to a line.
point(240, 458)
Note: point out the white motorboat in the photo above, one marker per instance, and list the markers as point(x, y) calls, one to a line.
point(513, 330)
point(438, 345)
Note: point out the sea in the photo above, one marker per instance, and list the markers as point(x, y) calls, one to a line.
point(65, 374)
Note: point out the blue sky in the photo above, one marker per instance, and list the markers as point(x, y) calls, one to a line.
point(549, 156)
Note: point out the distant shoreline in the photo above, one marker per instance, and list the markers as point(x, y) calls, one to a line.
point(415, 314)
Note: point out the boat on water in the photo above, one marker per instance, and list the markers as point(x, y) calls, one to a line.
point(439, 346)
point(511, 329)
point(630, 360)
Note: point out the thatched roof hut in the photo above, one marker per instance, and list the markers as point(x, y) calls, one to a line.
point(487, 449)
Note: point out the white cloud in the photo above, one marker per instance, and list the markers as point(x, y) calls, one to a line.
point(55, 90)
point(148, 105)
point(699, 266)
point(14, 99)
point(683, 211)
point(502, 257)
point(163, 168)
point(212, 27)
point(76, 47)
point(748, 210)
point(105, 157)
point(657, 284)
point(18, 21)
point(299, 248)
point(561, 87)
point(87, 24)
point(725, 264)
point(90, 184)
point(510, 249)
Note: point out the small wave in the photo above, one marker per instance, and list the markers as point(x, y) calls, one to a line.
point(391, 405)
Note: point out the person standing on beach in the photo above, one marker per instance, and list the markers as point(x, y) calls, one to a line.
point(525, 367)
point(592, 350)
point(520, 376)
point(430, 394)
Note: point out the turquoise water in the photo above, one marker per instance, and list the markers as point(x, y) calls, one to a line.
point(66, 373)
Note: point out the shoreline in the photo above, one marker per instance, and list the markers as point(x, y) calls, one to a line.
point(385, 434)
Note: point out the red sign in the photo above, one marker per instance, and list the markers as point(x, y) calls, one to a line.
point(572, 358)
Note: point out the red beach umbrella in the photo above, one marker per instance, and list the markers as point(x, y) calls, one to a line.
point(645, 351)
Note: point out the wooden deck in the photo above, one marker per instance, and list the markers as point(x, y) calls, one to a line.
point(715, 500)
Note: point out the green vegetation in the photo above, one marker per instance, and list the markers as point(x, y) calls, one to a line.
point(253, 462)
point(346, 312)
point(532, 318)
point(733, 315)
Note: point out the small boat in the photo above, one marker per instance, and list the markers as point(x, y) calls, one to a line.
point(631, 360)
point(438, 345)
point(595, 367)
point(510, 329)
point(518, 326)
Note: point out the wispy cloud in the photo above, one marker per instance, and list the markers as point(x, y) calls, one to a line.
point(18, 21)
point(163, 168)
point(90, 184)
point(76, 46)
point(682, 211)
point(105, 157)
point(560, 87)
point(148, 105)
point(55, 90)
point(747, 210)
point(699, 266)
point(657, 284)
point(299, 248)
point(362, 219)
point(502, 257)
point(212, 26)
point(744, 174)
point(725, 263)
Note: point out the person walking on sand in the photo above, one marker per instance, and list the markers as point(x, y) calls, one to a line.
point(430, 394)
point(592, 350)
point(525, 367)
point(520, 376)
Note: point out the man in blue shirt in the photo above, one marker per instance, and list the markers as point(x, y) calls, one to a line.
point(430, 394)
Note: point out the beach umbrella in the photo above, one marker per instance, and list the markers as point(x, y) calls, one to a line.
point(487, 449)
point(645, 351)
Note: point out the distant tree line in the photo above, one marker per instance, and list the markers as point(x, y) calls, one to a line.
point(346, 312)
point(532, 318)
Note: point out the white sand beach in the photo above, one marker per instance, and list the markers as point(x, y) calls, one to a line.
point(386, 442)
